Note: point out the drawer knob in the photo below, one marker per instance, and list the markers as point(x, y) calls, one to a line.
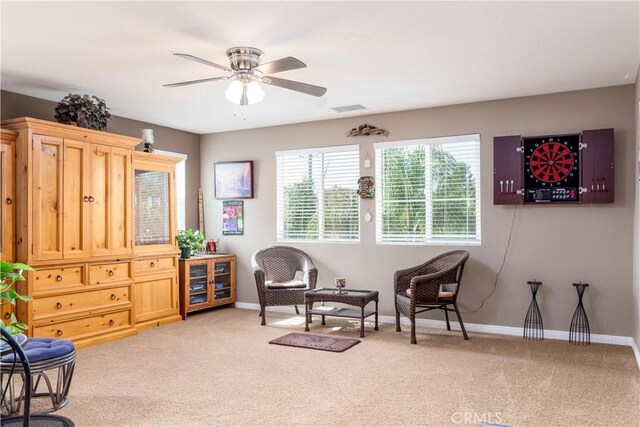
point(110, 273)
point(58, 278)
point(58, 305)
point(112, 322)
point(59, 333)
point(7, 315)
point(86, 198)
point(9, 200)
point(91, 199)
point(153, 264)
point(113, 297)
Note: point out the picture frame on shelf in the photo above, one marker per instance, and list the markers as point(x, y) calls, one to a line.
point(233, 180)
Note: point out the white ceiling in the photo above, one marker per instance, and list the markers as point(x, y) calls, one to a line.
point(387, 56)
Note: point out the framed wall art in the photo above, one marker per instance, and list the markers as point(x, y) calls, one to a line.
point(233, 180)
point(232, 218)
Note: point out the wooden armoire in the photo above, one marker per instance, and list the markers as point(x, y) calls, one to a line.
point(74, 223)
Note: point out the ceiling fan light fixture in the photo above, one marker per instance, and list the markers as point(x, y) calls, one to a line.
point(244, 93)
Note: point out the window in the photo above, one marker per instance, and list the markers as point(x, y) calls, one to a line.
point(317, 194)
point(428, 191)
point(180, 186)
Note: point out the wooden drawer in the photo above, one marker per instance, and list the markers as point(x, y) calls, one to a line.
point(74, 329)
point(73, 303)
point(56, 279)
point(151, 265)
point(109, 273)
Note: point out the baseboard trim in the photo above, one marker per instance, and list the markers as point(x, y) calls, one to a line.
point(470, 327)
point(634, 346)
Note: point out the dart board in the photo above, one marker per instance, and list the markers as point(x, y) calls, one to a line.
point(552, 168)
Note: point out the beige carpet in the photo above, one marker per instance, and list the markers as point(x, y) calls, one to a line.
point(217, 368)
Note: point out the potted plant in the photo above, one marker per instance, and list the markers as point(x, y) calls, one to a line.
point(10, 274)
point(84, 111)
point(189, 240)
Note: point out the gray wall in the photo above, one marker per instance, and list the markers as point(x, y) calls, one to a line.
point(13, 105)
point(558, 245)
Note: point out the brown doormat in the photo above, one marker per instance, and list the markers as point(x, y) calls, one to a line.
point(316, 342)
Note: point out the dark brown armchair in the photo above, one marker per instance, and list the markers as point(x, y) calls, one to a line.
point(283, 274)
point(430, 286)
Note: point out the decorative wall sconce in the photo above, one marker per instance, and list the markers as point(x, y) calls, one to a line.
point(148, 140)
point(366, 130)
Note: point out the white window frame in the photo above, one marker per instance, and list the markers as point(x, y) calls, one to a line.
point(280, 196)
point(429, 239)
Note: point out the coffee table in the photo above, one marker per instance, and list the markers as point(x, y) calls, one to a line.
point(355, 297)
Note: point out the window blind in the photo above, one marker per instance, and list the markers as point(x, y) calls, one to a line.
point(317, 196)
point(428, 191)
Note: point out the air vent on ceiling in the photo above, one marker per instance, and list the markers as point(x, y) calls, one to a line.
point(345, 108)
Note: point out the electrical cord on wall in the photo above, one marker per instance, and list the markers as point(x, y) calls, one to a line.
point(504, 259)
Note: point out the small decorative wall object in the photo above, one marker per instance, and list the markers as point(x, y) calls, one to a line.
point(366, 187)
point(340, 284)
point(367, 161)
point(579, 332)
point(533, 328)
point(367, 216)
point(148, 140)
point(233, 180)
point(200, 210)
point(232, 218)
point(89, 112)
point(366, 130)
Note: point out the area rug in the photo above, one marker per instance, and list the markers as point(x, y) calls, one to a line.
point(316, 342)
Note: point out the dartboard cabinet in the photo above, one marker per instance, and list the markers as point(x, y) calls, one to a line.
point(554, 169)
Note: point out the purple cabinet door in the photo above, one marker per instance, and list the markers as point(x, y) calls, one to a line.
point(507, 170)
point(597, 166)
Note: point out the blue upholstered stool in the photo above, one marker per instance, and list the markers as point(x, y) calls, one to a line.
point(43, 354)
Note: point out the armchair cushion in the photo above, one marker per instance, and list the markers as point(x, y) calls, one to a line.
point(442, 295)
point(285, 285)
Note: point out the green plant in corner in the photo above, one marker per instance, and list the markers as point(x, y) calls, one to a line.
point(10, 274)
point(189, 240)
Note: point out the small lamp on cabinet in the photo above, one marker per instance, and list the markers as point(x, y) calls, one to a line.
point(148, 140)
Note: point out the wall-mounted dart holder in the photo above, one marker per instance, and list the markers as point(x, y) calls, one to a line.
point(554, 169)
point(533, 327)
point(599, 184)
point(506, 187)
point(579, 332)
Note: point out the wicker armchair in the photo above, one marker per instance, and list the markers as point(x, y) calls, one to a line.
point(283, 274)
point(429, 286)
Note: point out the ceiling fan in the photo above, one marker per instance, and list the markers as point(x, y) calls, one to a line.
point(247, 71)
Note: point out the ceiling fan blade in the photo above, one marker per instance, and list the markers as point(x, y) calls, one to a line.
point(280, 65)
point(202, 61)
point(293, 85)
point(192, 82)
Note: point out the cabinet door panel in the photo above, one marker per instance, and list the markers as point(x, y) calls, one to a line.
point(47, 197)
point(597, 166)
point(156, 297)
point(507, 170)
point(75, 206)
point(120, 191)
point(7, 180)
point(99, 204)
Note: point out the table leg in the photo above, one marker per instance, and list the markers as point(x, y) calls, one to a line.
point(323, 322)
point(362, 322)
point(306, 317)
point(376, 328)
